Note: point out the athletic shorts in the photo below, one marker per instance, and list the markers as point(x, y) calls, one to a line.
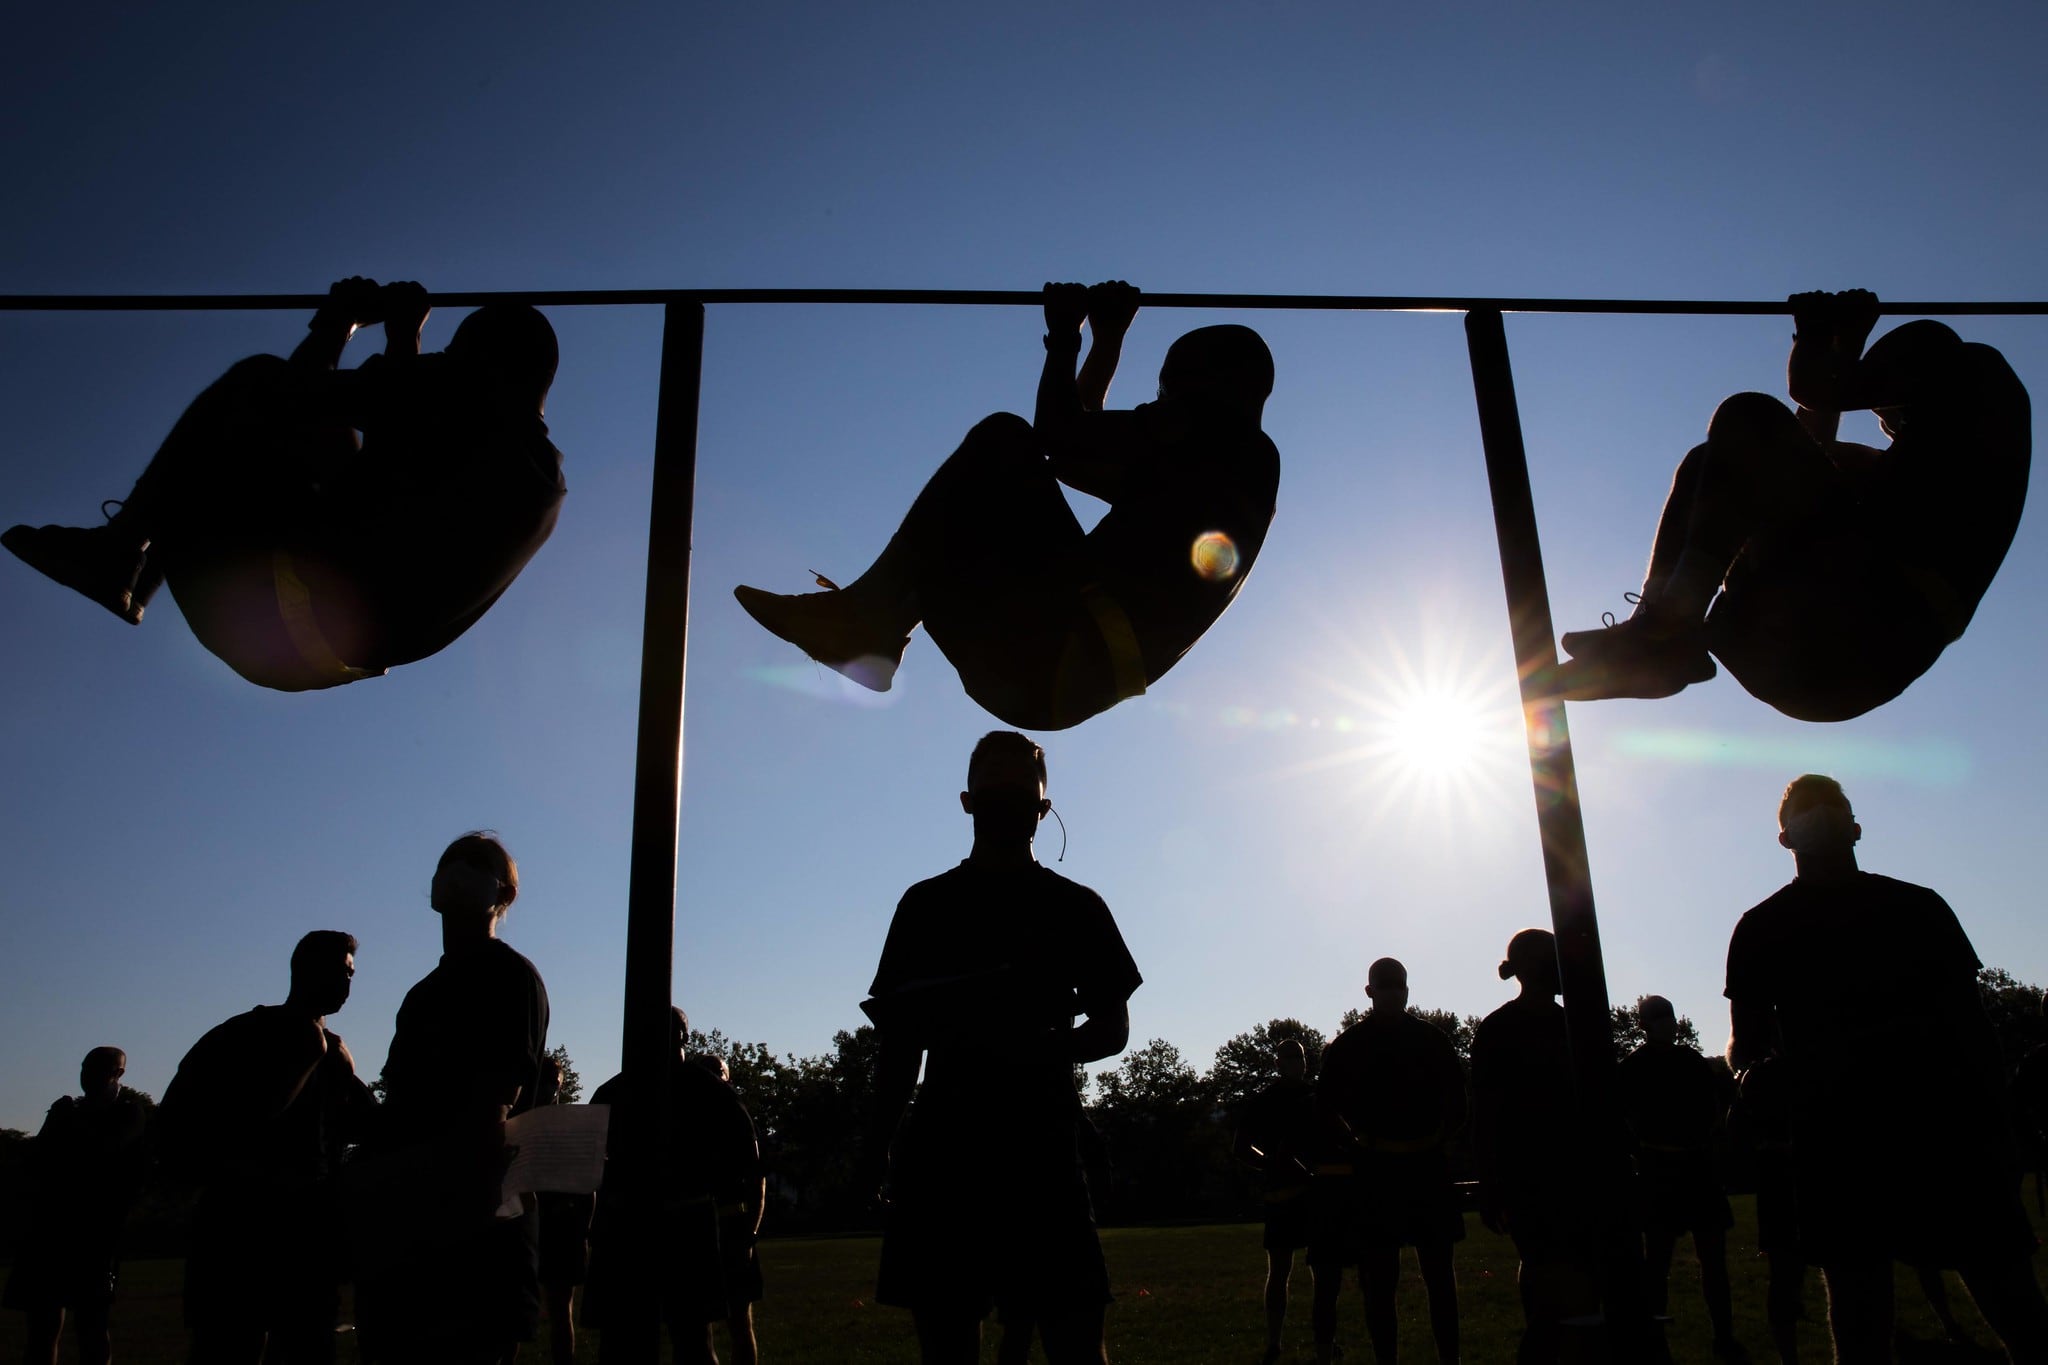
point(1679, 1192)
point(1290, 1219)
point(985, 1213)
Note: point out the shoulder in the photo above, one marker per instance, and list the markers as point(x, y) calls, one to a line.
point(609, 1091)
point(510, 964)
point(1070, 892)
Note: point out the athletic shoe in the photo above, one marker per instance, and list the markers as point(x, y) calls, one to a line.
point(831, 629)
point(95, 561)
point(1635, 663)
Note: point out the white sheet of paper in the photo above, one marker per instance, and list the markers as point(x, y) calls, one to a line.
point(557, 1149)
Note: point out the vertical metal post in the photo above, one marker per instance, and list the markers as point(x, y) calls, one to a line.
point(1581, 969)
point(640, 1131)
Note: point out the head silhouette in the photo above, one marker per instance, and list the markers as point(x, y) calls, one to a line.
point(1225, 369)
point(679, 1030)
point(99, 1075)
point(548, 1088)
point(475, 876)
point(1386, 982)
point(1658, 1018)
point(1532, 960)
point(1815, 818)
point(515, 344)
point(1005, 787)
point(1908, 348)
point(323, 965)
point(1290, 1059)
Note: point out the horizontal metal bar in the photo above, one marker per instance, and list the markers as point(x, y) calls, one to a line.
point(1368, 303)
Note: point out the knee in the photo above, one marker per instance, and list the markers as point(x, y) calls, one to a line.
point(1747, 419)
point(1004, 438)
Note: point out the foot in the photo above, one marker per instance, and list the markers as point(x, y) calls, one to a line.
point(1644, 656)
point(831, 628)
point(96, 561)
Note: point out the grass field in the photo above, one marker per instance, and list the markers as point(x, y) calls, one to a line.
point(1183, 1295)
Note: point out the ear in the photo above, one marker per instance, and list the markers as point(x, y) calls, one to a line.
point(967, 802)
point(1044, 806)
point(1855, 834)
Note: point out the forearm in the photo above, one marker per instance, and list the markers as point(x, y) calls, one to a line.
point(1105, 348)
point(1104, 1034)
point(895, 1081)
point(1820, 425)
point(1750, 1033)
point(1059, 407)
point(326, 337)
point(1820, 374)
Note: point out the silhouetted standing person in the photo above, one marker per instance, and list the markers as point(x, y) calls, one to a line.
point(1827, 575)
point(717, 1192)
point(984, 972)
point(449, 1278)
point(1533, 1147)
point(1674, 1102)
point(1047, 624)
point(1856, 979)
point(1276, 1136)
point(302, 561)
point(1394, 1095)
point(85, 1169)
point(258, 1115)
point(1762, 1114)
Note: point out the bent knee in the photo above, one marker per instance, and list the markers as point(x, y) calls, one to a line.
point(1004, 430)
point(1747, 418)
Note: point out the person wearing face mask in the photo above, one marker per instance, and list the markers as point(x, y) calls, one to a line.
point(450, 1279)
point(258, 1115)
point(1933, 1183)
point(1530, 1141)
point(984, 973)
point(1826, 575)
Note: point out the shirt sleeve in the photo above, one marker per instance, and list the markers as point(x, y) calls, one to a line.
point(1748, 961)
point(897, 966)
point(1105, 975)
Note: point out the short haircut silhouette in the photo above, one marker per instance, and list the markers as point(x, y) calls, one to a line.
point(1826, 576)
point(303, 561)
point(1048, 624)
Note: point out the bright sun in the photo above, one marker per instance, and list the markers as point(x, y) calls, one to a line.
point(1434, 732)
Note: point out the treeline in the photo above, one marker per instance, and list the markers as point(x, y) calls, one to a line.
point(1166, 1126)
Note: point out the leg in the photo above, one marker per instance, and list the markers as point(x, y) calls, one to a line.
point(2010, 1299)
point(45, 1332)
point(1758, 468)
point(1657, 1250)
point(1782, 1305)
point(947, 1338)
point(692, 1344)
point(1441, 1281)
point(745, 1350)
point(562, 1324)
point(1328, 1281)
point(95, 1337)
point(1712, 1246)
point(1379, 1276)
point(1015, 1346)
point(1860, 1310)
point(992, 518)
point(1279, 1269)
point(1542, 1312)
point(1074, 1338)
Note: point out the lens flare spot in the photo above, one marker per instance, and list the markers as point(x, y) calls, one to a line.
point(1214, 556)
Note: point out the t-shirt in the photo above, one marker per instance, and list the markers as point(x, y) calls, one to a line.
point(1529, 1130)
point(217, 1118)
point(1955, 478)
point(1872, 986)
point(456, 487)
point(468, 1032)
point(85, 1169)
point(1174, 493)
point(1281, 1122)
point(1671, 1096)
point(713, 1153)
point(986, 967)
point(1394, 1082)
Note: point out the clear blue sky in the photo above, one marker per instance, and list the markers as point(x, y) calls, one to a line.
point(170, 831)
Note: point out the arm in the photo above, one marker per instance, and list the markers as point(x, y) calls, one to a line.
point(1751, 1033)
point(1106, 1033)
point(405, 310)
point(895, 1081)
point(1111, 306)
point(1087, 447)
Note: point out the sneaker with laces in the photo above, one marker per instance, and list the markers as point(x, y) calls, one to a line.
point(832, 629)
point(1641, 657)
point(98, 562)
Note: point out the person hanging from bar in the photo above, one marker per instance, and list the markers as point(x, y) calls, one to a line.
point(1048, 624)
point(303, 558)
point(1826, 575)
